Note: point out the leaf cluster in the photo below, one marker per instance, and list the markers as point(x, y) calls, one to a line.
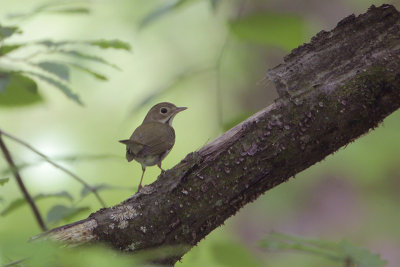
point(342, 252)
point(24, 64)
point(58, 212)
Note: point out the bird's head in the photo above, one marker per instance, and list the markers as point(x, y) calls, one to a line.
point(163, 112)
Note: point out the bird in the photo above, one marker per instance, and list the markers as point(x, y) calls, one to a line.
point(151, 142)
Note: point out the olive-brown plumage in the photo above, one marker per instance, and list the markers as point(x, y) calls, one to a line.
point(151, 142)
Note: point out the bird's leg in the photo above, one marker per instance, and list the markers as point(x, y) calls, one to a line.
point(141, 178)
point(159, 166)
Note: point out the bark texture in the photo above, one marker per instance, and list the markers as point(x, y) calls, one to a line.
point(333, 90)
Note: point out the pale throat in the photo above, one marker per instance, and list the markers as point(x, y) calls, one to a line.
point(169, 120)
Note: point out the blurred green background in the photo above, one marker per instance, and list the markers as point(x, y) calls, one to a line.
point(210, 56)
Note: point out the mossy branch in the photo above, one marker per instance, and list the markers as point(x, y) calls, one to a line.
point(334, 89)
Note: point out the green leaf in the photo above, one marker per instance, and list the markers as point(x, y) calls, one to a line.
point(87, 57)
point(282, 242)
point(61, 194)
point(71, 10)
point(3, 181)
point(116, 44)
point(4, 81)
point(101, 187)
point(51, 43)
point(61, 212)
point(17, 90)
point(20, 202)
point(283, 30)
point(6, 32)
point(361, 257)
point(5, 49)
point(89, 71)
point(342, 252)
point(9, 170)
point(60, 70)
point(283, 238)
point(160, 12)
point(233, 254)
point(65, 89)
point(50, 5)
point(54, 7)
point(103, 43)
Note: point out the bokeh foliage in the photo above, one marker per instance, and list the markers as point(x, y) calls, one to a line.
point(190, 52)
point(16, 85)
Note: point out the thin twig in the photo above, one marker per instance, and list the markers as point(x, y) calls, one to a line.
point(12, 263)
point(21, 185)
point(74, 176)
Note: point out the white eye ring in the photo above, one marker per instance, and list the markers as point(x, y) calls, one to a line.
point(163, 110)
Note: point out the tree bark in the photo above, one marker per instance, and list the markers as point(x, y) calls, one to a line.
point(332, 90)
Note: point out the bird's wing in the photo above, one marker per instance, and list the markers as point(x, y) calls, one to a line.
point(132, 148)
point(155, 138)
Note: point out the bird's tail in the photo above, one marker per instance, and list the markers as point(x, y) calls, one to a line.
point(125, 142)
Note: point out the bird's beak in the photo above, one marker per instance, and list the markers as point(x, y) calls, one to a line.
point(179, 109)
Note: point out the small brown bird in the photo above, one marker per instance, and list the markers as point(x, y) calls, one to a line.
point(151, 142)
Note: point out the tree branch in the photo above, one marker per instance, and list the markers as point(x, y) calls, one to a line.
point(333, 90)
point(21, 184)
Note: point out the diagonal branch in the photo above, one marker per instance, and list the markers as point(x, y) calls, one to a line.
point(333, 90)
point(21, 184)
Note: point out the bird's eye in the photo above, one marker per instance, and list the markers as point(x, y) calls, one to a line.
point(163, 110)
